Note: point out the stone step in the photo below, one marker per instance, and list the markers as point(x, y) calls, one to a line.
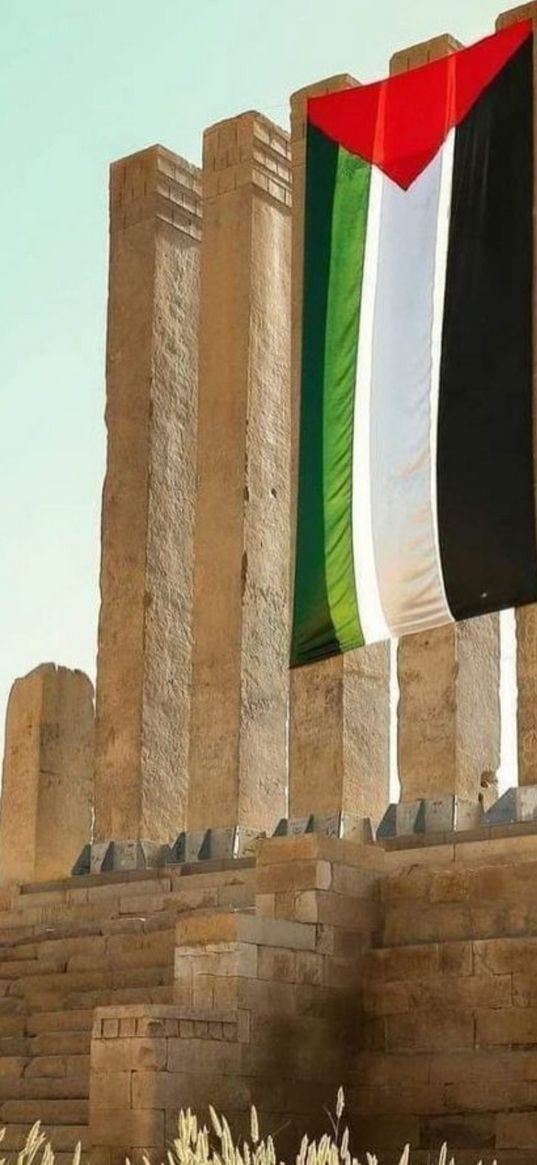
point(44, 1087)
point(35, 988)
point(52, 1067)
point(26, 1112)
point(62, 1137)
point(54, 1021)
point(21, 967)
point(159, 989)
point(60, 1044)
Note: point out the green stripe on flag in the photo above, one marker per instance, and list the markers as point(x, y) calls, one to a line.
point(348, 235)
point(326, 618)
point(313, 631)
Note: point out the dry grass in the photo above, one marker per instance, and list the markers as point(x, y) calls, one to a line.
point(195, 1144)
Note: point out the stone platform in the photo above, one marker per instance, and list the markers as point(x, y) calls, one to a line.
point(405, 974)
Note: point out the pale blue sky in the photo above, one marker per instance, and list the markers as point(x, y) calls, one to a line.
point(83, 82)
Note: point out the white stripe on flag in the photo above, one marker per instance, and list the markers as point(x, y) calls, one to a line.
point(403, 399)
point(372, 618)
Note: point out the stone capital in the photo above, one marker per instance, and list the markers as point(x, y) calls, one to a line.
point(423, 53)
point(156, 183)
point(248, 150)
point(300, 98)
point(514, 15)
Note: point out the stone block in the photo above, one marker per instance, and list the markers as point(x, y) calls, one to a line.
point(402, 819)
point(272, 851)
point(449, 814)
point(128, 1055)
point(440, 815)
point(516, 1130)
point(217, 929)
point(111, 1090)
point(456, 958)
point(128, 1129)
point(423, 1032)
point(288, 827)
point(278, 963)
point(403, 962)
point(314, 875)
point(131, 855)
point(508, 1026)
point(186, 847)
point(515, 805)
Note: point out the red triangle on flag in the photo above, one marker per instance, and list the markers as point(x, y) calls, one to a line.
point(400, 124)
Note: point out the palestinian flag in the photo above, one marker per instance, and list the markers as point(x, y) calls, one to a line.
point(415, 499)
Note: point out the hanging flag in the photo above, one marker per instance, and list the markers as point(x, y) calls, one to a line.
point(415, 501)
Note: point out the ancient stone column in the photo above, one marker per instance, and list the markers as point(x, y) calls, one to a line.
point(241, 589)
point(339, 710)
point(144, 660)
point(526, 617)
point(47, 783)
point(449, 705)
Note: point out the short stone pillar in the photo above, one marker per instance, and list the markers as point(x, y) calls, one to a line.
point(238, 746)
point(449, 707)
point(47, 783)
point(339, 731)
point(449, 710)
point(144, 659)
point(526, 617)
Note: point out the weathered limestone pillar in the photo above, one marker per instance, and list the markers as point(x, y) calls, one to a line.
point(47, 783)
point(526, 617)
point(241, 588)
point(144, 660)
point(339, 710)
point(449, 706)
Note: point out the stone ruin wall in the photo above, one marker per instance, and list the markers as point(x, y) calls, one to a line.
point(206, 896)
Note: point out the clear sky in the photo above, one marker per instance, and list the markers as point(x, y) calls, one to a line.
point(83, 82)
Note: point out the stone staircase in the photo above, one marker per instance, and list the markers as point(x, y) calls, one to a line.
point(451, 1000)
point(71, 946)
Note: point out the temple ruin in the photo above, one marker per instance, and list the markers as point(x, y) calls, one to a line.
point(206, 895)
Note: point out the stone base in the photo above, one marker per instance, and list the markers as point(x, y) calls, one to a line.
point(514, 806)
point(343, 825)
point(444, 815)
point(106, 857)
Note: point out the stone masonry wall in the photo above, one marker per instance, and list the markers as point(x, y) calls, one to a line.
point(407, 975)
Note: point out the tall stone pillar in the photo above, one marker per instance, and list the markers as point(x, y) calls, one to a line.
point(526, 617)
point(238, 747)
point(145, 629)
point(339, 730)
point(449, 705)
point(47, 783)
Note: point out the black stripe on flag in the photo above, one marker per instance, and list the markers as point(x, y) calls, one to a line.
point(485, 461)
